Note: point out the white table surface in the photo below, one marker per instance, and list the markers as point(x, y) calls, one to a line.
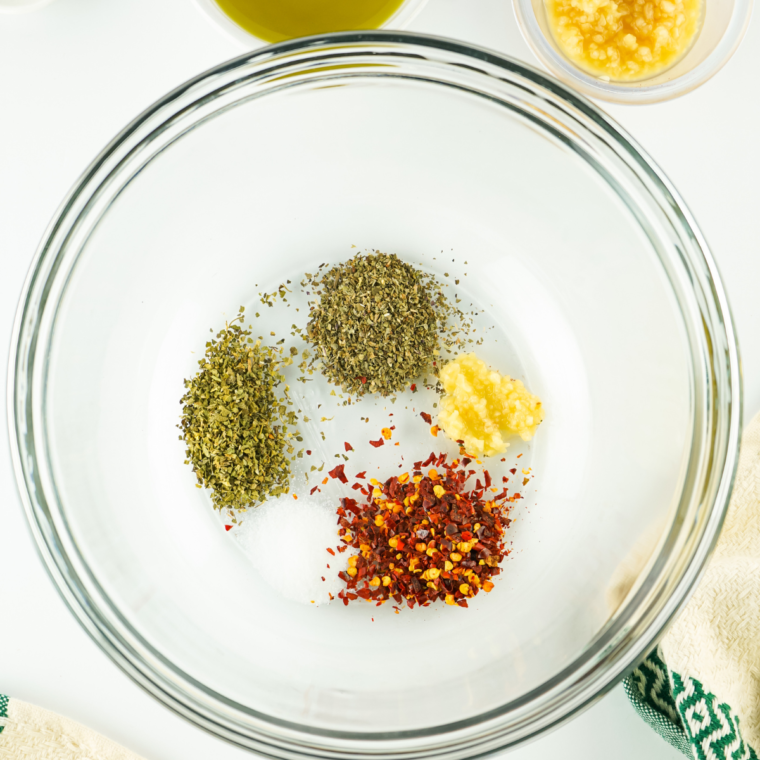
point(71, 76)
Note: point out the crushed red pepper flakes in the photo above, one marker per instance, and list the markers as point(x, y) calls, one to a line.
point(413, 387)
point(362, 474)
point(330, 551)
point(424, 538)
point(228, 527)
point(377, 444)
point(337, 472)
point(425, 416)
point(348, 446)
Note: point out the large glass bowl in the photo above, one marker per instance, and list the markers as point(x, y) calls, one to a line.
point(584, 257)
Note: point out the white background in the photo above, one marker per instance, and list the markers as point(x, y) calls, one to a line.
point(71, 76)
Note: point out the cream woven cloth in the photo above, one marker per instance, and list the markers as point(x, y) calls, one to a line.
point(700, 688)
point(30, 733)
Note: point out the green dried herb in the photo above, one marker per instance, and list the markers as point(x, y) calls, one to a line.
point(378, 323)
point(234, 425)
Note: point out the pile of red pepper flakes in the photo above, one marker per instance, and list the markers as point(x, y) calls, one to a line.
point(424, 538)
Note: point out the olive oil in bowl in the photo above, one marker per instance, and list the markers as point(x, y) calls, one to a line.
point(277, 20)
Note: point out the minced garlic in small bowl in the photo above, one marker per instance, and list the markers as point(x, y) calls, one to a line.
point(633, 51)
point(625, 40)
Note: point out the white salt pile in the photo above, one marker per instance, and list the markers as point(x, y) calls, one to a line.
point(287, 541)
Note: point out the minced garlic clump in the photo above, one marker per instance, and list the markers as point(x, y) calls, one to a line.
point(479, 404)
point(624, 40)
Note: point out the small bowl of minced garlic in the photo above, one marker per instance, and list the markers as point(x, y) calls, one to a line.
point(633, 51)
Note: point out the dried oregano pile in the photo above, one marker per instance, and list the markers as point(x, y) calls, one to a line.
point(379, 323)
point(234, 424)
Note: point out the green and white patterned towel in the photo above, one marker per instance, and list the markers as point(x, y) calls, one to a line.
point(700, 689)
point(30, 733)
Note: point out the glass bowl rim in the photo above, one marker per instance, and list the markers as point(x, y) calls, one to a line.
point(483, 734)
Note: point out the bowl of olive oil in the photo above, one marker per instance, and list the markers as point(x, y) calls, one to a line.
point(278, 20)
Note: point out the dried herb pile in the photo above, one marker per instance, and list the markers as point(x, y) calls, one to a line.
point(233, 422)
point(425, 538)
point(378, 323)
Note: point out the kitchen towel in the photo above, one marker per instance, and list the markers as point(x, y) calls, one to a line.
point(700, 688)
point(31, 733)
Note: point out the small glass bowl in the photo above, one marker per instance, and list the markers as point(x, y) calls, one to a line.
point(723, 27)
point(399, 20)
